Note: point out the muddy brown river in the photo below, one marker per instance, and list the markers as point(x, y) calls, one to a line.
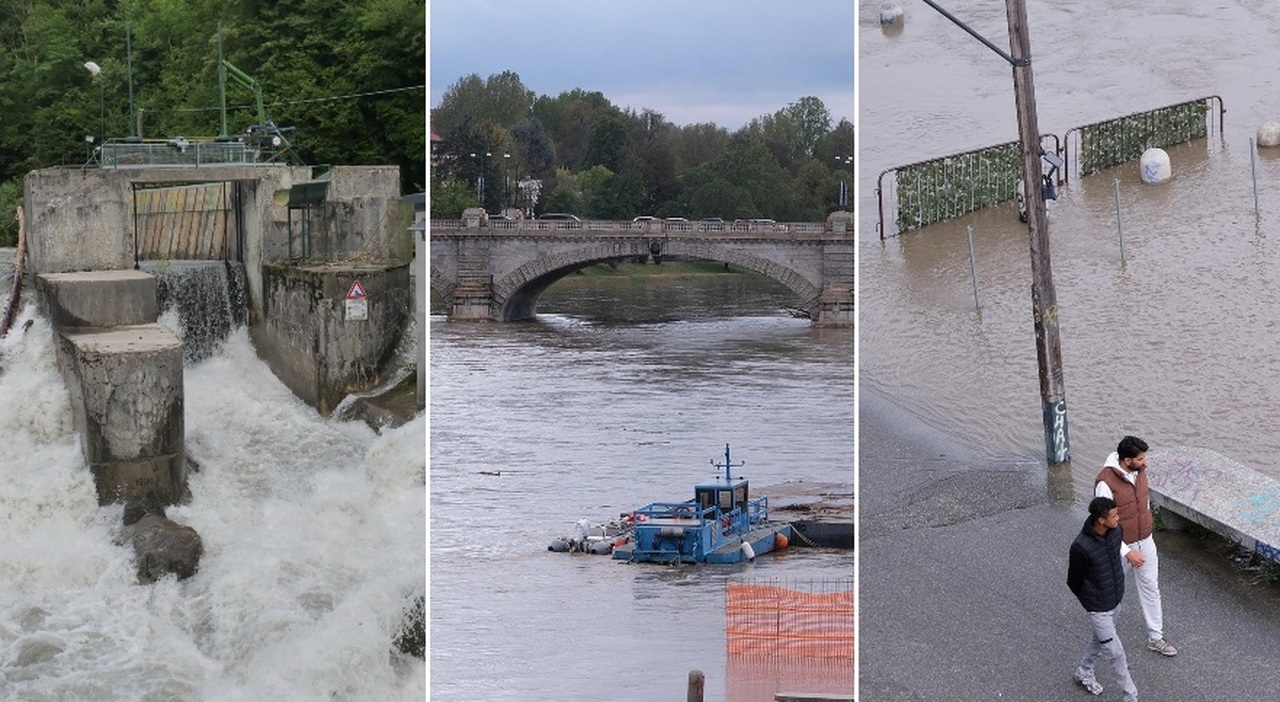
point(1175, 343)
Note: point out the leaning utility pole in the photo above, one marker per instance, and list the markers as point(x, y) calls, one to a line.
point(1044, 300)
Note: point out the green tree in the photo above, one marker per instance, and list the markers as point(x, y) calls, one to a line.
point(349, 76)
point(450, 198)
point(607, 143)
point(501, 99)
point(10, 200)
point(533, 144)
point(697, 144)
point(566, 193)
point(812, 121)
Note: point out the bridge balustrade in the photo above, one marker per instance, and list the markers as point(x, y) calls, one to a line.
point(596, 227)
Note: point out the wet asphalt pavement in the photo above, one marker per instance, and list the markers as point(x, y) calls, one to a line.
point(963, 596)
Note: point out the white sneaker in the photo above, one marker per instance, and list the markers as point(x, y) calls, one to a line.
point(1091, 684)
point(1162, 647)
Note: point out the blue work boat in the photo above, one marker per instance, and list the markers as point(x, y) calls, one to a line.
point(721, 524)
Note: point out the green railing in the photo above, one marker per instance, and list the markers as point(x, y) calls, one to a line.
point(927, 192)
point(1101, 145)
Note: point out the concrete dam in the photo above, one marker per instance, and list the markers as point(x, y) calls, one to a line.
point(319, 266)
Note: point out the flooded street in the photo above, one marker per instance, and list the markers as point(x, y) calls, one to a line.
point(603, 404)
point(1175, 343)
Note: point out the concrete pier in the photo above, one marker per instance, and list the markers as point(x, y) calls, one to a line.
point(124, 374)
point(127, 402)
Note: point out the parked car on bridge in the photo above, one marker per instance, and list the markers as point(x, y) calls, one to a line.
point(560, 216)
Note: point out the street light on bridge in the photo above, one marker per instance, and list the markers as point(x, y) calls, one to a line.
point(484, 165)
point(506, 180)
point(844, 184)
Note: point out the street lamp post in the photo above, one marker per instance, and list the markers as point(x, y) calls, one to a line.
point(1044, 299)
point(506, 180)
point(842, 161)
point(96, 70)
point(484, 164)
point(484, 178)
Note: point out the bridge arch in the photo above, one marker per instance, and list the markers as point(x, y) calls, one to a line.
point(515, 295)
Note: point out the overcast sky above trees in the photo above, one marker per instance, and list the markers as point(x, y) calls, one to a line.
point(721, 61)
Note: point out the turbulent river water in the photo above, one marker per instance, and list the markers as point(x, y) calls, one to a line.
point(621, 393)
point(1175, 343)
point(312, 531)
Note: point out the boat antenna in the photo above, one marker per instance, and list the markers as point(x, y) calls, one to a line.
point(728, 464)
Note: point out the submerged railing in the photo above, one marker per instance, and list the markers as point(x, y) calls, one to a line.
point(927, 192)
point(1100, 145)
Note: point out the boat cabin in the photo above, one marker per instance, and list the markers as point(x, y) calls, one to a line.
point(728, 495)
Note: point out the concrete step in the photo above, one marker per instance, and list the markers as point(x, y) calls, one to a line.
point(98, 298)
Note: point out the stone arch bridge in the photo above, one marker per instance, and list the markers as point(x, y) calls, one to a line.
point(495, 270)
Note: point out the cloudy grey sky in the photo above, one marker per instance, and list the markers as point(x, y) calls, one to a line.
point(721, 61)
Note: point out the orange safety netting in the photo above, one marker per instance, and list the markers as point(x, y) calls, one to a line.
point(768, 620)
point(760, 679)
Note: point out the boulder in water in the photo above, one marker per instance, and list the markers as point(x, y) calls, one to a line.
point(411, 638)
point(160, 545)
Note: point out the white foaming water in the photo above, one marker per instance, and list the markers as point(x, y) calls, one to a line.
point(313, 536)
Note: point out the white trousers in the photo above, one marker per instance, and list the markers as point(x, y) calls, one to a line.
point(1147, 579)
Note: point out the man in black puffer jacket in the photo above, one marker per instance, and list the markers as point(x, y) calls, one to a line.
point(1095, 575)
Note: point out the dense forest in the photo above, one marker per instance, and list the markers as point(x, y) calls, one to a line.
point(497, 144)
point(348, 76)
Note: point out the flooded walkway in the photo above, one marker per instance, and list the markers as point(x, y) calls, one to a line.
point(1175, 342)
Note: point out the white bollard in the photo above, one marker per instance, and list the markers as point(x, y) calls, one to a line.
point(1155, 166)
point(1269, 134)
point(890, 13)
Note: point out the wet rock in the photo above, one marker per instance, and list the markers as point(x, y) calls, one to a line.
point(38, 648)
point(411, 638)
point(386, 410)
point(160, 545)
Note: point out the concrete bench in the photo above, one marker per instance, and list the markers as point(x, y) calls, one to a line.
point(1218, 493)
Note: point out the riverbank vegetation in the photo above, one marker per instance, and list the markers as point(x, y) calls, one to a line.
point(497, 144)
point(349, 77)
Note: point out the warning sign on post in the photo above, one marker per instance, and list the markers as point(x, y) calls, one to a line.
point(357, 303)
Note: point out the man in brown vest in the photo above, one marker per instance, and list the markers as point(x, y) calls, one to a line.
point(1124, 479)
